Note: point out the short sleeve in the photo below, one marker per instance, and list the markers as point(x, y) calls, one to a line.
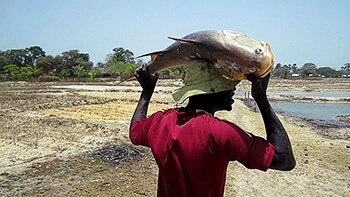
point(140, 128)
point(252, 151)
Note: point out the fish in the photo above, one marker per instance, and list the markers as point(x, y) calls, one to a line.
point(232, 53)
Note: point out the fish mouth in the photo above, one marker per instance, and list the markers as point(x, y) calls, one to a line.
point(262, 75)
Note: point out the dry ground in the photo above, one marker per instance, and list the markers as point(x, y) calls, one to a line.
point(53, 143)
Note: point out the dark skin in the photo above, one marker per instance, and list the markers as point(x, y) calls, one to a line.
point(275, 132)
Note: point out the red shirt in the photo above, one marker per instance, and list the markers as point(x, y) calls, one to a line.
point(193, 150)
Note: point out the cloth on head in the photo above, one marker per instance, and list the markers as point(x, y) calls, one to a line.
point(201, 78)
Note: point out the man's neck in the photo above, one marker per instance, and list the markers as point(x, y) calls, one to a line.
point(206, 109)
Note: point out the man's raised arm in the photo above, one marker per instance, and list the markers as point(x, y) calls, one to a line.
point(276, 134)
point(148, 83)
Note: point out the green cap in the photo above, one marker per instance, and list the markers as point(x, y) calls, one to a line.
point(201, 78)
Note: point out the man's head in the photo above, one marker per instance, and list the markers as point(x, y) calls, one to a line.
point(213, 102)
point(204, 84)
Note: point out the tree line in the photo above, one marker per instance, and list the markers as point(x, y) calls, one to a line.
point(287, 71)
point(33, 63)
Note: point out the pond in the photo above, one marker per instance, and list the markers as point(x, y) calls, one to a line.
point(316, 111)
point(333, 93)
point(337, 94)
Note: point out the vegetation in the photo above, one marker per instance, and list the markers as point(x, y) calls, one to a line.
point(309, 70)
point(33, 63)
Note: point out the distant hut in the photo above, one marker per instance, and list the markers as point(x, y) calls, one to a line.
point(295, 75)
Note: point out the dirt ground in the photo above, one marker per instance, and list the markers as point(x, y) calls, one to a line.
point(71, 139)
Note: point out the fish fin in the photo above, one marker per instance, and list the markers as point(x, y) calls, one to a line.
point(129, 78)
point(153, 55)
point(183, 41)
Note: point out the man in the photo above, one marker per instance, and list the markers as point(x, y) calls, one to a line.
point(192, 148)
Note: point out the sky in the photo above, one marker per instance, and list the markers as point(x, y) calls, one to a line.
point(299, 31)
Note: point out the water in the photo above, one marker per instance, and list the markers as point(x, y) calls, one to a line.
point(316, 111)
point(335, 94)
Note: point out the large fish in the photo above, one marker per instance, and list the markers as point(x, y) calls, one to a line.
point(233, 54)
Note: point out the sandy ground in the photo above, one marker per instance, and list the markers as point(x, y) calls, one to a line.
point(58, 139)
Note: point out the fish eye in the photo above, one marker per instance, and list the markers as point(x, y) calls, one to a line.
point(258, 51)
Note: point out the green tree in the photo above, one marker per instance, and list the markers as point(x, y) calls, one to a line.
point(17, 57)
point(71, 59)
point(12, 70)
point(21, 57)
point(278, 65)
point(282, 72)
point(33, 53)
point(308, 69)
point(346, 68)
point(47, 64)
point(79, 71)
point(294, 68)
point(26, 72)
point(120, 63)
point(94, 72)
point(63, 73)
point(328, 72)
point(33, 70)
point(122, 55)
point(15, 72)
point(3, 61)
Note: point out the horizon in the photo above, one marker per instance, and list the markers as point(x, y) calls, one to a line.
point(298, 31)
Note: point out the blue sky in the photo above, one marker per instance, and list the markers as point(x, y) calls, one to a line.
point(299, 31)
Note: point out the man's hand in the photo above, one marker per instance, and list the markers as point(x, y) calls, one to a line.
point(146, 79)
point(259, 85)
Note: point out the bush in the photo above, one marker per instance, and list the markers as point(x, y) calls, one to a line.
point(15, 72)
point(94, 73)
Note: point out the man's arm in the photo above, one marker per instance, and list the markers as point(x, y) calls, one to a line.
point(276, 134)
point(148, 83)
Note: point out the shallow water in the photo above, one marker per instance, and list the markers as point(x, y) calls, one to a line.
point(338, 94)
point(334, 94)
point(316, 111)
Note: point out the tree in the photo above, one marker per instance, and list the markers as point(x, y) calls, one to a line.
point(94, 72)
point(23, 57)
point(120, 63)
point(282, 72)
point(346, 68)
point(47, 64)
point(17, 57)
point(79, 71)
point(308, 69)
point(3, 61)
point(328, 72)
point(11, 70)
point(71, 59)
point(121, 55)
point(278, 65)
point(34, 70)
point(15, 72)
point(294, 68)
point(33, 53)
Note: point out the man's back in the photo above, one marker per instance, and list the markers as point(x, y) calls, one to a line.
point(192, 150)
